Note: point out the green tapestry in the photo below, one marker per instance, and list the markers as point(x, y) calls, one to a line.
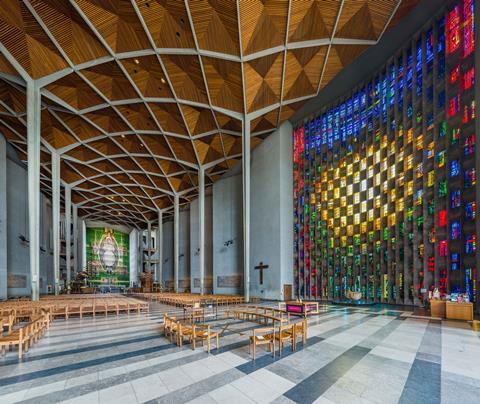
point(107, 256)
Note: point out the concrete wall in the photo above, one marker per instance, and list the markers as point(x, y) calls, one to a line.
point(271, 220)
point(167, 272)
point(184, 251)
point(271, 215)
point(18, 256)
point(195, 244)
point(227, 235)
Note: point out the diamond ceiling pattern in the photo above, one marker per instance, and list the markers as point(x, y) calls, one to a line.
point(139, 94)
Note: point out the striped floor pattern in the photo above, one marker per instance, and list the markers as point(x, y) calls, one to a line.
point(353, 355)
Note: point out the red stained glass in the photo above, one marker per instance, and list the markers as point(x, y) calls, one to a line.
point(454, 73)
point(442, 248)
point(468, 78)
point(442, 218)
point(468, 29)
point(453, 30)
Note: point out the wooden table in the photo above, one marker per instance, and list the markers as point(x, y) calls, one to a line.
point(437, 308)
point(459, 311)
point(301, 308)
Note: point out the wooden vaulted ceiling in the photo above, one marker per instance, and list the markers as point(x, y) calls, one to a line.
point(141, 93)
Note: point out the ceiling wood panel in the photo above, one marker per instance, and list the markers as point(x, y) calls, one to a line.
point(150, 91)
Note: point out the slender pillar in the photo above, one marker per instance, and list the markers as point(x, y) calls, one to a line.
point(140, 255)
point(84, 243)
point(246, 208)
point(176, 221)
point(3, 218)
point(201, 226)
point(33, 151)
point(149, 245)
point(159, 275)
point(56, 220)
point(75, 238)
point(68, 234)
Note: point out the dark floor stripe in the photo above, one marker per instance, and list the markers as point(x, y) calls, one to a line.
point(311, 388)
point(80, 350)
point(308, 390)
point(424, 380)
point(80, 365)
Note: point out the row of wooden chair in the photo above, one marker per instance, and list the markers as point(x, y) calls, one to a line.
point(178, 331)
point(260, 314)
point(287, 333)
point(25, 336)
point(67, 306)
point(189, 299)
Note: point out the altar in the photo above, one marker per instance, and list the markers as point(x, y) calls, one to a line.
point(301, 308)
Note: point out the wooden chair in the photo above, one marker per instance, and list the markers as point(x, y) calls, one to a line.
point(15, 338)
point(185, 331)
point(262, 336)
point(7, 321)
point(300, 330)
point(286, 333)
point(204, 333)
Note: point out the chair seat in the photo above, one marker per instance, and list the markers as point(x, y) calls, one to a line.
point(266, 337)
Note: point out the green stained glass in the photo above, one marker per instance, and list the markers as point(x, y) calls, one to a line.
point(442, 189)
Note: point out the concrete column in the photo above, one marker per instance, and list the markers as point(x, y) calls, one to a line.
point(201, 227)
point(56, 220)
point(33, 151)
point(68, 233)
point(246, 207)
point(3, 218)
point(176, 229)
point(149, 245)
point(75, 238)
point(159, 274)
point(84, 244)
point(140, 255)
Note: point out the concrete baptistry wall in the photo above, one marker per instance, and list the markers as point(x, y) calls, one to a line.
point(271, 221)
point(15, 259)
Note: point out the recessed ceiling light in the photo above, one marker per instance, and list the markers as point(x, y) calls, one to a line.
point(123, 136)
point(136, 61)
point(162, 80)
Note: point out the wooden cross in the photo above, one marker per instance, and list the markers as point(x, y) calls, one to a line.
point(261, 267)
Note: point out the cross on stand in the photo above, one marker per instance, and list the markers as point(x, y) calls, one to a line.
point(261, 267)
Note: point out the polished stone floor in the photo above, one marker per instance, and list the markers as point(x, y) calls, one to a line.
point(353, 355)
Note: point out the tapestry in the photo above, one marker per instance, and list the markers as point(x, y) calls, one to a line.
point(107, 257)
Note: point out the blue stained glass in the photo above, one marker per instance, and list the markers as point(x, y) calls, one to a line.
point(409, 69)
point(429, 50)
point(470, 210)
point(455, 259)
point(336, 129)
point(349, 117)
point(418, 62)
point(441, 35)
point(454, 168)
point(391, 94)
point(318, 134)
point(307, 143)
point(324, 129)
point(400, 80)
point(456, 230)
point(312, 136)
point(455, 199)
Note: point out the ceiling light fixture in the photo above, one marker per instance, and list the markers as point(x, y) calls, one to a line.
point(162, 80)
